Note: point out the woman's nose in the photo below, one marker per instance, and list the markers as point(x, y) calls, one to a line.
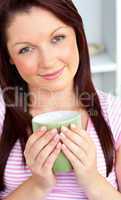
point(47, 57)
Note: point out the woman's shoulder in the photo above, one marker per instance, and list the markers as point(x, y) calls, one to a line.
point(2, 110)
point(109, 102)
point(111, 108)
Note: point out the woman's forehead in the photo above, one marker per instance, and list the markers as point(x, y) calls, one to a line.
point(37, 20)
point(38, 24)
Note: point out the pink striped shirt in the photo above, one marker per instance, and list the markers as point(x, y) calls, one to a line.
point(67, 187)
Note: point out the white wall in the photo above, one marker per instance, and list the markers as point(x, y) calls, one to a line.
point(92, 21)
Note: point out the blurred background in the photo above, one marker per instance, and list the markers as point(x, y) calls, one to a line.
point(103, 30)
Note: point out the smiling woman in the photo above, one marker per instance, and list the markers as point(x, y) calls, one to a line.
point(40, 53)
point(45, 66)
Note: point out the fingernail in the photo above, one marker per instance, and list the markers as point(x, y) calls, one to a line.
point(59, 145)
point(62, 135)
point(43, 128)
point(56, 137)
point(73, 126)
point(63, 146)
point(54, 130)
point(64, 129)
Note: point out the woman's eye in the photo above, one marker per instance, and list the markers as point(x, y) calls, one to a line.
point(58, 38)
point(25, 50)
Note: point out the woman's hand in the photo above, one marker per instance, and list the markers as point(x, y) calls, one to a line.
point(41, 151)
point(81, 151)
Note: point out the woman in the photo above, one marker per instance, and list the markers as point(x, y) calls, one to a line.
point(44, 66)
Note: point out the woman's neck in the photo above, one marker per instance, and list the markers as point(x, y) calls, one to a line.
point(46, 101)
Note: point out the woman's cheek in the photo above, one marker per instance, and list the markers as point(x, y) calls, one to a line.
point(70, 54)
point(26, 68)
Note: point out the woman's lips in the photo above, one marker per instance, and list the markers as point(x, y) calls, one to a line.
point(53, 75)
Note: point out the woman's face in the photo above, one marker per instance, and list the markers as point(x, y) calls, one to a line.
point(44, 49)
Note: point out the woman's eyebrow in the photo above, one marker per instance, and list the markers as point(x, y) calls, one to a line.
point(21, 43)
point(58, 29)
point(29, 43)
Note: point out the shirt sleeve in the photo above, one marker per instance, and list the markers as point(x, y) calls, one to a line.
point(2, 111)
point(114, 117)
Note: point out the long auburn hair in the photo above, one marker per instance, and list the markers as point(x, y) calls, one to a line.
point(17, 121)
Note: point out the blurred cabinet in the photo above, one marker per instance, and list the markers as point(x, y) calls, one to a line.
point(102, 27)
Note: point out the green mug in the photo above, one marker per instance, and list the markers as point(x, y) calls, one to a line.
point(57, 119)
